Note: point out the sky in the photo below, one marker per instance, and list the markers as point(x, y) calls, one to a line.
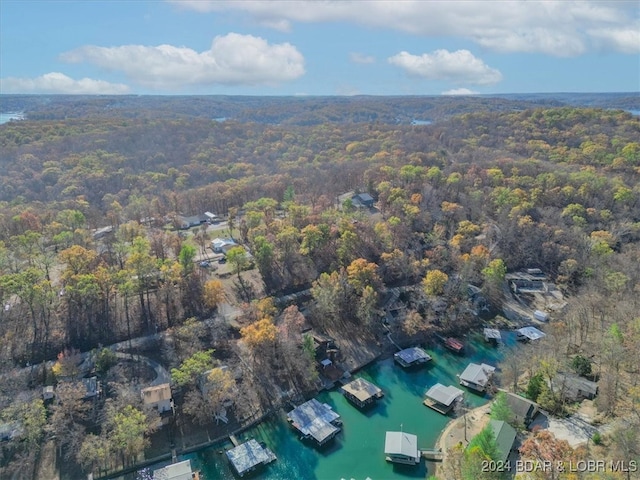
point(316, 47)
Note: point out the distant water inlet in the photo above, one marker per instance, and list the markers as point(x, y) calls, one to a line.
point(357, 452)
point(6, 117)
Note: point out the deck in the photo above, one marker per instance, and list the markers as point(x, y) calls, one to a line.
point(438, 407)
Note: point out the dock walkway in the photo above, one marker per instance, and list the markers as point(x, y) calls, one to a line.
point(234, 440)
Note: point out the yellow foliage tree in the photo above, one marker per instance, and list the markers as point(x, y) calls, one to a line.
point(434, 282)
point(213, 293)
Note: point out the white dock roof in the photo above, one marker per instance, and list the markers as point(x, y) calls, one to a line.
point(444, 395)
point(315, 419)
point(532, 333)
point(477, 374)
point(248, 455)
point(401, 443)
point(413, 354)
point(361, 389)
point(176, 471)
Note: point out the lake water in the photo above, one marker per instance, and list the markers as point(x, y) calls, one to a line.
point(5, 117)
point(357, 452)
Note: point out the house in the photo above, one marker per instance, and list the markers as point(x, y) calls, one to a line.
point(48, 393)
point(92, 387)
point(158, 397)
point(574, 388)
point(401, 447)
point(477, 376)
point(362, 200)
point(211, 217)
point(361, 392)
point(411, 356)
point(442, 399)
point(528, 334)
point(186, 222)
point(315, 420)
point(248, 456)
point(505, 435)
point(524, 410)
point(176, 471)
point(530, 281)
point(223, 245)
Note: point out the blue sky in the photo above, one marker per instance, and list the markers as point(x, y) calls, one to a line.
point(318, 47)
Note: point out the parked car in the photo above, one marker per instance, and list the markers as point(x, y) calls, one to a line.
point(205, 264)
point(222, 260)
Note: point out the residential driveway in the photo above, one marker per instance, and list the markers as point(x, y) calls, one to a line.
point(575, 429)
point(162, 375)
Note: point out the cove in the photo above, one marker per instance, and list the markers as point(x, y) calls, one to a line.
point(357, 452)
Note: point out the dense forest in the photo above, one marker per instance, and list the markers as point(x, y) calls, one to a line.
point(493, 185)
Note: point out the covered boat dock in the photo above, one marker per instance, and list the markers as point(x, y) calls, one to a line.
point(411, 356)
point(361, 392)
point(249, 455)
point(442, 399)
point(315, 420)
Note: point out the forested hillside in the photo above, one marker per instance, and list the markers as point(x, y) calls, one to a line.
point(461, 201)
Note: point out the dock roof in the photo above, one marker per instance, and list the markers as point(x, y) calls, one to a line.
point(477, 374)
point(492, 333)
point(531, 333)
point(176, 471)
point(362, 389)
point(401, 443)
point(315, 419)
point(444, 395)
point(248, 455)
point(413, 354)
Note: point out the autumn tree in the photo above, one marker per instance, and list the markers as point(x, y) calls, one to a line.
point(213, 293)
point(434, 282)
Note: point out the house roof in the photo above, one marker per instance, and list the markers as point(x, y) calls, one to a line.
point(361, 389)
point(520, 406)
point(315, 419)
point(401, 443)
point(505, 435)
point(532, 333)
point(156, 394)
point(572, 385)
point(477, 374)
point(176, 471)
point(91, 386)
point(413, 354)
point(222, 242)
point(364, 197)
point(246, 456)
point(444, 395)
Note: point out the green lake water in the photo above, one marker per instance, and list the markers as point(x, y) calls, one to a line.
point(357, 452)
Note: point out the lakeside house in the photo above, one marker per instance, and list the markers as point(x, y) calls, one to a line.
point(92, 387)
point(505, 435)
point(361, 392)
point(410, 357)
point(401, 447)
point(158, 397)
point(248, 456)
point(442, 399)
point(176, 471)
point(524, 410)
point(476, 376)
point(529, 334)
point(315, 420)
point(574, 388)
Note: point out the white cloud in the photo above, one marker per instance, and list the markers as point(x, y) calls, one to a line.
point(626, 41)
point(460, 91)
point(233, 59)
point(458, 67)
point(554, 27)
point(361, 58)
point(56, 82)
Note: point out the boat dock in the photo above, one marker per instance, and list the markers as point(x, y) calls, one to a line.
point(234, 440)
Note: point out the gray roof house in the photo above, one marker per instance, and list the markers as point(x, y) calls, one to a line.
point(524, 410)
point(505, 435)
point(476, 376)
point(575, 388)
